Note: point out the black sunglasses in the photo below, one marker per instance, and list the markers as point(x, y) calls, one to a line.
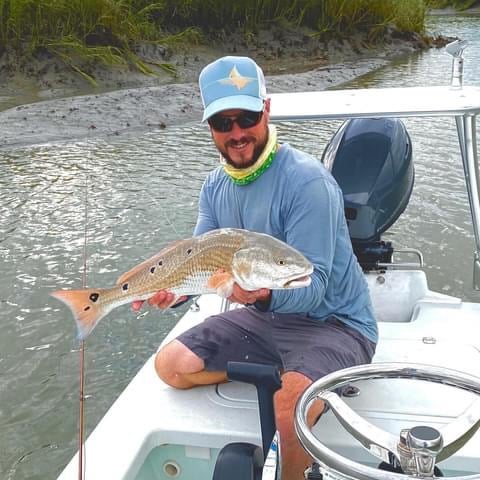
point(246, 119)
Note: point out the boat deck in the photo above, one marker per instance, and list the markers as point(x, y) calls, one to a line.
point(424, 327)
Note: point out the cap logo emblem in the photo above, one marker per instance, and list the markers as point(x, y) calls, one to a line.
point(236, 79)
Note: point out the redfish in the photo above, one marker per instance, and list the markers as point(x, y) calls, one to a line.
point(187, 267)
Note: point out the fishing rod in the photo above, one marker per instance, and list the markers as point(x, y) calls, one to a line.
point(81, 415)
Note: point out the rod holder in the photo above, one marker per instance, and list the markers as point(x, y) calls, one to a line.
point(455, 49)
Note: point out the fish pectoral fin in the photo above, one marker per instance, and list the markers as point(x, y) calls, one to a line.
point(174, 301)
point(222, 282)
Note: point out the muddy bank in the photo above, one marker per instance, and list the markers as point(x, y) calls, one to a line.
point(157, 102)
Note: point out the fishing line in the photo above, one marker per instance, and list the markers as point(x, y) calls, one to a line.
point(172, 226)
point(164, 213)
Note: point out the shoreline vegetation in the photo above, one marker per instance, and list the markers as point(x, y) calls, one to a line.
point(83, 34)
point(109, 67)
point(146, 37)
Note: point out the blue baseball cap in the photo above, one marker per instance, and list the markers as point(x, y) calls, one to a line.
point(231, 83)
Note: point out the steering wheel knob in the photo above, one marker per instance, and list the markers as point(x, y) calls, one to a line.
point(426, 439)
point(418, 450)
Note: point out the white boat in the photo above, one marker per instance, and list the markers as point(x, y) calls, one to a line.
point(416, 406)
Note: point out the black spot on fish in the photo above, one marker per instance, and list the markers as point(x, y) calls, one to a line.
point(94, 297)
point(189, 251)
point(152, 270)
point(160, 263)
point(125, 287)
point(86, 309)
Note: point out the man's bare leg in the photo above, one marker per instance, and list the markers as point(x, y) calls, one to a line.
point(294, 458)
point(179, 367)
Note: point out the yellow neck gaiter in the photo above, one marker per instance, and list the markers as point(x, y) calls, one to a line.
point(244, 176)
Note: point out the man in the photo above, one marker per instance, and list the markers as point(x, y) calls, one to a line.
point(275, 189)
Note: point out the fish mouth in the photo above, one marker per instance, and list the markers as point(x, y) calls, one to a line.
point(298, 282)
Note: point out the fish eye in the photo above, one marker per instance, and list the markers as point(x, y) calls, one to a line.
point(281, 261)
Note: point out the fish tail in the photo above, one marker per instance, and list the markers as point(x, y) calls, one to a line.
point(86, 308)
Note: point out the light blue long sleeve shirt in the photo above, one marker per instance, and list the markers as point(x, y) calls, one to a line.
point(298, 201)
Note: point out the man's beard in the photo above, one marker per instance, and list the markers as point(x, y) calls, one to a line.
point(256, 154)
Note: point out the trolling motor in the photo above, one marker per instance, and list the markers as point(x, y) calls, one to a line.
point(371, 160)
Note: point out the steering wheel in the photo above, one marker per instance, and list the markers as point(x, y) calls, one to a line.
point(415, 450)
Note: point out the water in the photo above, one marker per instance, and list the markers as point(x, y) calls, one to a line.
point(143, 193)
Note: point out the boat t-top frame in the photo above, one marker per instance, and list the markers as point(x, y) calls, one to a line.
point(457, 101)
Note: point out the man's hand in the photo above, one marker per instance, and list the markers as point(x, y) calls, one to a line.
point(226, 287)
point(162, 299)
point(246, 297)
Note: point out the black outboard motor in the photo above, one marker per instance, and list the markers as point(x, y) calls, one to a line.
point(371, 159)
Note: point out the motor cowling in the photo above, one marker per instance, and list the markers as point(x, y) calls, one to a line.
point(371, 160)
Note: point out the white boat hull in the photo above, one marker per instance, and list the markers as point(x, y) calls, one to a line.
point(154, 431)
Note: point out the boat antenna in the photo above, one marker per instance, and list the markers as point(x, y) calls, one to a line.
point(81, 416)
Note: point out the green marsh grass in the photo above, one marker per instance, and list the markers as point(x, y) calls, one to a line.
point(456, 4)
point(79, 31)
point(339, 17)
point(107, 31)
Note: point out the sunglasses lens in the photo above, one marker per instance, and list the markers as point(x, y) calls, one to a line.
point(223, 124)
point(248, 119)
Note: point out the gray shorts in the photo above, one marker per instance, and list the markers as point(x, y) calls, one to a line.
point(291, 342)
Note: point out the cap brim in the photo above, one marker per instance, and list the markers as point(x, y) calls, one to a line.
point(242, 102)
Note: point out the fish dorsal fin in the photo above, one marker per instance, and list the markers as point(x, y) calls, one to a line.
point(150, 262)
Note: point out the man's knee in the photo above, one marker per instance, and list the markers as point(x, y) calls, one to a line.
point(293, 386)
point(174, 361)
